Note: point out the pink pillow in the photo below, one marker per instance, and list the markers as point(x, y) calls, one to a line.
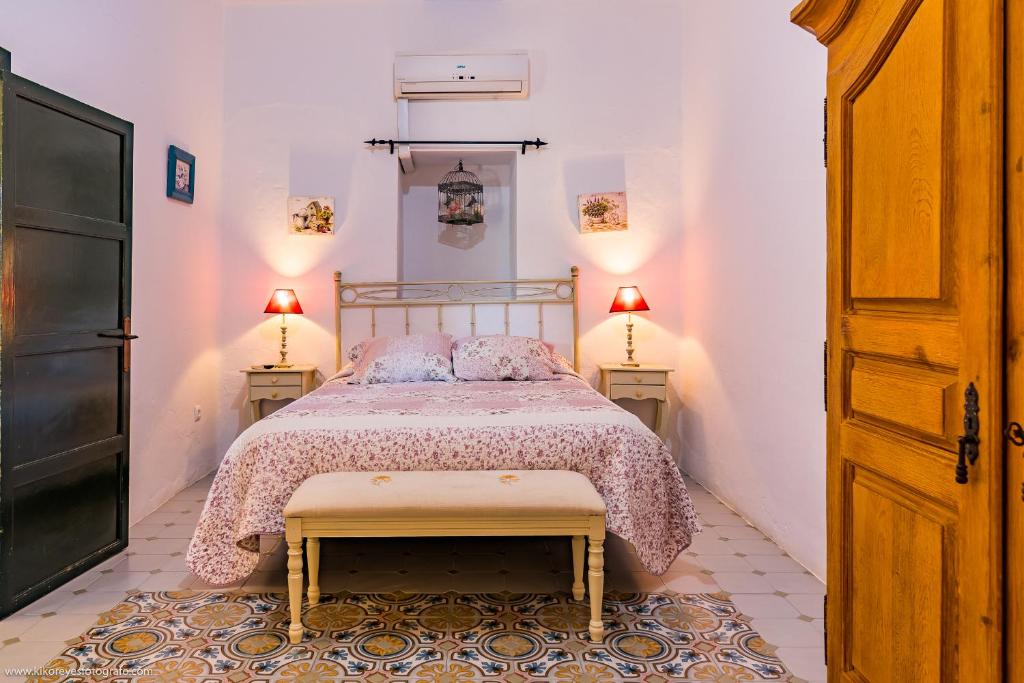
point(498, 357)
point(412, 358)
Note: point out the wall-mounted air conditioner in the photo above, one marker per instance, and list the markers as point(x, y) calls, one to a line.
point(487, 76)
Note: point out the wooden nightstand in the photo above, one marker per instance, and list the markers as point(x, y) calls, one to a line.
point(646, 381)
point(277, 384)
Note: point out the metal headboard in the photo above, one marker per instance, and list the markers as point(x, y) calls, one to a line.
point(438, 294)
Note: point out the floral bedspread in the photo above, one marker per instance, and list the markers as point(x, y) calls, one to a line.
point(560, 424)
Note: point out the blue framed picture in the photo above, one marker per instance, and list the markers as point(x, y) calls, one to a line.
point(181, 175)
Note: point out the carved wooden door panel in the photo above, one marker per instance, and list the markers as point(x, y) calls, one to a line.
point(914, 327)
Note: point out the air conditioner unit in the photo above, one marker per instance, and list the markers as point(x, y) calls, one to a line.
point(486, 76)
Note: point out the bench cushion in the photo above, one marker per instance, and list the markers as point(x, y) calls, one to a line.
point(443, 493)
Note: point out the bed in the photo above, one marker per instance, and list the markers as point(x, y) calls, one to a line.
point(561, 424)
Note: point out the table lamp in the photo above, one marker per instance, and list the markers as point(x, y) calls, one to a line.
point(627, 300)
point(284, 301)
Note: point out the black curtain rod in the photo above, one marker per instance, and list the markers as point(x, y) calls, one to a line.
point(538, 143)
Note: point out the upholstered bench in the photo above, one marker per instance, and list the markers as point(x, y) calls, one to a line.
point(445, 503)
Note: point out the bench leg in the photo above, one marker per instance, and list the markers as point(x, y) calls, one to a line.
point(577, 567)
point(596, 561)
point(293, 536)
point(313, 561)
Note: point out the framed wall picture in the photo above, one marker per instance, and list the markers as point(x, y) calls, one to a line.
point(602, 212)
point(181, 175)
point(311, 215)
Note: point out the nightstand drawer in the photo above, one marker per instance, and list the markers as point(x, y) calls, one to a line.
point(633, 378)
point(274, 393)
point(276, 379)
point(637, 392)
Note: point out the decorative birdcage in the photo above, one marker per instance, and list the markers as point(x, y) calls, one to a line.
point(460, 198)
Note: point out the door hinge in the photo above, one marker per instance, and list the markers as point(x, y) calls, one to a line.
point(825, 376)
point(824, 600)
point(824, 139)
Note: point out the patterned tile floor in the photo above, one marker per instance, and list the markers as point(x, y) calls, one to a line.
point(783, 601)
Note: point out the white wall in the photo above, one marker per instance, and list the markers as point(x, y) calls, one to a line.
point(158, 64)
point(707, 112)
point(606, 94)
point(753, 268)
point(429, 250)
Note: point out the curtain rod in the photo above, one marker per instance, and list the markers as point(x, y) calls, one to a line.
point(538, 143)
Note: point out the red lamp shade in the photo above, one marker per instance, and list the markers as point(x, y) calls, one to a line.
point(627, 300)
point(283, 301)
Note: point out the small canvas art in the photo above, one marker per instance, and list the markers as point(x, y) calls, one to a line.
point(311, 215)
point(181, 175)
point(603, 212)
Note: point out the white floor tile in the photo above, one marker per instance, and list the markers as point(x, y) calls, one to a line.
point(120, 581)
point(738, 533)
point(724, 563)
point(166, 581)
point(144, 531)
point(691, 583)
point(51, 602)
point(741, 582)
point(140, 563)
point(754, 547)
point(60, 627)
point(788, 632)
point(764, 606)
point(173, 564)
point(29, 654)
point(795, 583)
point(720, 518)
point(16, 624)
point(809, 605)
point(684, 564)
point(93, 602)
point(806, 662)
point(177, 531)
point(775, 563)
point(706, 544)
point(160, 546)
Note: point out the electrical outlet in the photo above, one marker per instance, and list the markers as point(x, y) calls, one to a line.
point(197, 413)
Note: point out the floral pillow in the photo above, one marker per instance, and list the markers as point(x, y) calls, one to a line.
point(498, 357)
point(412, 358)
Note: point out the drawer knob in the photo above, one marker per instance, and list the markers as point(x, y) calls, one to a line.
point(639, 394)
point(273, 395)
point(638, 379)
point(273, 380)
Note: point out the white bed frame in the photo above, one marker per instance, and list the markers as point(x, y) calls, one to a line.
point(471, 293)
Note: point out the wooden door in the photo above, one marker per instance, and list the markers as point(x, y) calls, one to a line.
point(914, 322)
point(66, 181)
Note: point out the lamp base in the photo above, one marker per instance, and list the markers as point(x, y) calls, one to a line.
point(630, 365)
point(283, 365)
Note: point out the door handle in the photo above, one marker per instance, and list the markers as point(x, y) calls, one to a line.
point(125, 336)
point(968, 441)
